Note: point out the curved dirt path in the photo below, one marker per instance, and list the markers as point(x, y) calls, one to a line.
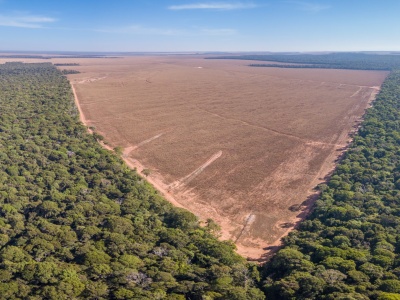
point(78, 105)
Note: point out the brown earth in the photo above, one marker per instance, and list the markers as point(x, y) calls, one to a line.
point(243, 146)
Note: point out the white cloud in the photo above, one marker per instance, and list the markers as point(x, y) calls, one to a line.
point(308, 6)
point(213, 6)
point(24, 20)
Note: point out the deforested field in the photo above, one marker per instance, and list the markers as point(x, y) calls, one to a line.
point(243, 146)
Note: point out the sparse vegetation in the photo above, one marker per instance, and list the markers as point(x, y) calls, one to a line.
point(146, 172)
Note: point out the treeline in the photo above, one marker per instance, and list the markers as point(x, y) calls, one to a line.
point(66, 64)
point(30, 56)
point(355, 61)
point(39, 56)
point(76, 223)
point(349, 247)
point(313, 66)
point(66, 72)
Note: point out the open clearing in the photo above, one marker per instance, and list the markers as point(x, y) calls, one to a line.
point(243, 146)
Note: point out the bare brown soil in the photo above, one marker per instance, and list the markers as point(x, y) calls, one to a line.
point(244, 146)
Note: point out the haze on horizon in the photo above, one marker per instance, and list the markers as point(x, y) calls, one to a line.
point(199, 25)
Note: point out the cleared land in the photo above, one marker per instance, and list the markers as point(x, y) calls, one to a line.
point(244, 146)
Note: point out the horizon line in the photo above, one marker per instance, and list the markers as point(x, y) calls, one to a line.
point(190, 51)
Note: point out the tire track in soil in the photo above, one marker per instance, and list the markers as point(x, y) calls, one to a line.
point(185, 180)
point(129, 149)
point(274, 131)
point(357, 92)
point(89, 80)
point(249, 220)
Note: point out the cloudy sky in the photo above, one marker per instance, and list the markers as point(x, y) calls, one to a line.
point(176, 25)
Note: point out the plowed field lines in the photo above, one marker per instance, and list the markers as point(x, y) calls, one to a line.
point(243, 146)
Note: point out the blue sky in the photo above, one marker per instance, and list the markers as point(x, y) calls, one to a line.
point(176, 25)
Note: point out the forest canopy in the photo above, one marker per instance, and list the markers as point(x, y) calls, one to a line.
point(338, 60)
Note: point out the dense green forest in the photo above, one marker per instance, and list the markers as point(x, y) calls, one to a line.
point(355, 61)
point(76, 223)
point(349, 247)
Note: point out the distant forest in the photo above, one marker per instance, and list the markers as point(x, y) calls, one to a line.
point(66, 72)
point(39, 56)
point(355, 61)
point(66, 64)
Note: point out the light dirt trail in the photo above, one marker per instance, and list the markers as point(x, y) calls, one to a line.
point(357, 92)
point(191, 176)
point(360, 87)
point(78, 105)
point(154, 180)
point(274, 131)
point(89, 80)
point(373, 95)
point(129, 149)
point(249, 220)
